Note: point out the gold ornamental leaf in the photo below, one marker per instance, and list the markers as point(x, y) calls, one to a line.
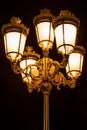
point(35, 72)
point(57, 78)
point(37, 82)
point(52, 69)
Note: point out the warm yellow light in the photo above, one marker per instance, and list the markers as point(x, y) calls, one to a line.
point(74, 66)
point(26, 79)
point(44, 29)
point(14, 34)
point(14, 44)
point(45, 35)
point(27, 62)
point(65, 35)
point(24, 64)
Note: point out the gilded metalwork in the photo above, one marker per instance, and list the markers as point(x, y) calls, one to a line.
point(15, 25)
point(79, 48)
point(66, 16)
point(45, 72)
point(29, 52)
point(54, 76)
point(45, 15)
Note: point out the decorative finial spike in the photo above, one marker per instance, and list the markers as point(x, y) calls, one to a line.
point(16, 20)
point(44, 11)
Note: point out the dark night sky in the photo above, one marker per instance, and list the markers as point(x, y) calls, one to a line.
point(20, 110)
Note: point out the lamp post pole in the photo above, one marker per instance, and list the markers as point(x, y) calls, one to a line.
point(46, 88)
point(46, 110)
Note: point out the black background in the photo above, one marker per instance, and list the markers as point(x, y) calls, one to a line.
point(20, 110)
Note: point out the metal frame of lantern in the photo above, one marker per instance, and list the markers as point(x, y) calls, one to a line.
point(43, 26)
point(73, 69)
point(67, 24)
point(11, 31)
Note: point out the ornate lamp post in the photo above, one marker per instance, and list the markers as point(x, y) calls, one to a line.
point(43, 73)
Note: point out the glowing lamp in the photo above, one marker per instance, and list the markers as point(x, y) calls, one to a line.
point(65, 27)
point(15, 35)
point(28, 63)
point(44, 29)
point(75, 62)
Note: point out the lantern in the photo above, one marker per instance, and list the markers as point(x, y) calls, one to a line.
point(75, 62)
point(28, 63)
point(15, 35)
point(66, 27)
point(44, 29)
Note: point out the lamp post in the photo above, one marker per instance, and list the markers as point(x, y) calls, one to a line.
point(43, 73)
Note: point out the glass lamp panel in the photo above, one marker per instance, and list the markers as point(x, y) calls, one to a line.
point(26, 79)
point(65, 35)
point(74, 66)
point(45, 34)
point(14, 44)
point(24, 64)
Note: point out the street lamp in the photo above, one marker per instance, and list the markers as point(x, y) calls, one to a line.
point(43, 73)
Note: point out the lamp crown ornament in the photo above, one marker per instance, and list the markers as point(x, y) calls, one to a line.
point(67, 16)
point(15, 20)
point(79, 48)
point(15, 25)
point(45, 14)
point(29, 51)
